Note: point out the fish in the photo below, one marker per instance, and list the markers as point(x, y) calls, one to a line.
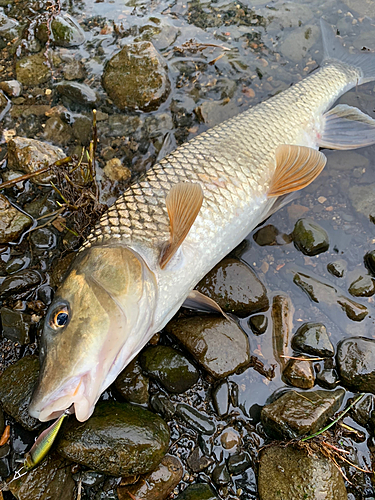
point(148, 251)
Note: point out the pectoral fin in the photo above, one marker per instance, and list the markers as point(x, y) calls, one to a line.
point(183, 203)
point(345, 127)
point(296, 168)
point(196, 300)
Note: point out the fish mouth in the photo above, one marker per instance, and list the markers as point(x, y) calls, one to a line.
point(71, 394)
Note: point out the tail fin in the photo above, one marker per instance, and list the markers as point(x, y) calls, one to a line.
point(333, 50)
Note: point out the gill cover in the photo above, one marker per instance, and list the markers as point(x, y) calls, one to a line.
point(100, 318)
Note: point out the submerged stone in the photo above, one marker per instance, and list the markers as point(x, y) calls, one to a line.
point(12, 222)
point(337, 268)
point(30, 155)
point(195, 419)
point(173, 370)
point(270, 235)
point(363, 199)
point(156, 485)
point(363, 410)
point(16, 387)
point(327, 379)
point(197, 461)
point(132, 384)
point(299, 373)
point(356, 364)
point(312, 338)
point(258, 324)
point(136, 77)
point(198, 491)
point(19, 284)
point(291, 473)
point(235, 287)
point(218, 344)
point(309, 237)
point(220, 475)
point(162, 404)
point(119, 439)
point(52, 479)
point(79, 93)
point(363, 286)
point(239, 462)
point(369, 260)
point(66, 32)
point(296, 414)
point(16, 325)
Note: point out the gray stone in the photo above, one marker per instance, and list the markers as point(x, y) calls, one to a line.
point(79, 93)
point(235, 287)
point(33, 70)
point(29, 155)
point(74, 70)
point(363, 286)
point(218, 344)
point(296, 414)
point(132, 384)
point(299, 373)
point(52, 479)
point(312, 338)
point(214, 112)
point(346, 160)
point(156, 485)
point(285, 15)
point(16, 386)
point(173, 370)
point(309, 237)
point(9, 28)
point(289, 472)
point(12, 222)
point(137, 78)
point(82, 130)
point(57, 131)
point(362, 198)
point(356, 364)
point(119, 439)
point(296, 46)
point(16, 325)
point(220, 398)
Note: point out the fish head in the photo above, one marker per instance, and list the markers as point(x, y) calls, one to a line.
point(100, 318)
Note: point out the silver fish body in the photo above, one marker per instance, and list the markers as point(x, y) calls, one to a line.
point(117, 295)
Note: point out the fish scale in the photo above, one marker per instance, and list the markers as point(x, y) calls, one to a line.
point(239, 151)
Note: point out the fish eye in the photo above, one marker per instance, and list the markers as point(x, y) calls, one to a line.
point(60, 318)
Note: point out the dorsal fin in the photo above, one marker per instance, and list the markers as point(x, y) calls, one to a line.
point(183, 203)
point(296, 168)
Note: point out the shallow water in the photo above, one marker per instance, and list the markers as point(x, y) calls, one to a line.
point(208, 80)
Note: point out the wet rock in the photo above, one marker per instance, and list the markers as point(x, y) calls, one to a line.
point(9, 29)
point(229, 439)
point(312, 338)
point(16, 264)
point(362, 198)
point(16, 325)
point(170, 367)
point(57, 131)
point(119, 439)
point(137, 78)
point(156, 485)
point(132, 384)
point(12, 88)
point(293, 473)
point(12, 222)
point(337, 268)
point(29, 155)
point(79, 93)
point(327, 379)
point(363, 286)
point(82, 130)
point(220, 398)
point(295, 414)
point(258, 324)
point(299, 373)
point(235, 287)
point(16, 386)
point(239, 462)
point(43, 239)
point(89, 478)
point(355, 360)
point(220, 475)
point(282, 322)
point(19, 284)
point(369, 260)
point(52, 479)
point(197, 461)
point(198, 491)
point(116, 171)
point(362, 412)
point(5, 105)
point(329, 299)
point(74, 70)
point(163, 405)
point(66, 32)
point(270, 235)
point(309, 237)
point(296, 45)
point(33, 70)
point(218, 344)
point(195, 419)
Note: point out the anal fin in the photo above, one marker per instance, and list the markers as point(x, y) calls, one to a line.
point(346, 127)
point(296, 168)
point(183, 203)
